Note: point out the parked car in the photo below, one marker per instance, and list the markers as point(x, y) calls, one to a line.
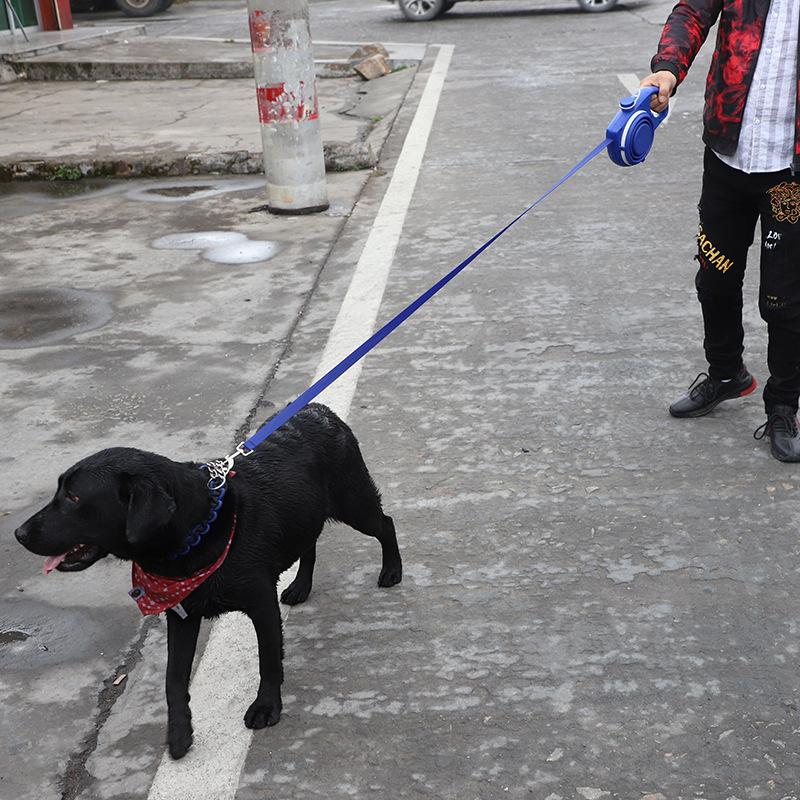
point(424, 10)
point(142, 8)
point(131, 8)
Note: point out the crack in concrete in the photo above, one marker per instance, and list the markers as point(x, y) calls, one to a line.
point(15, 114)
point(36, 97)
point(183, 115)
point(76, 777)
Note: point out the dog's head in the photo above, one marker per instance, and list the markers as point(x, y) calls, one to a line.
point(111, 502)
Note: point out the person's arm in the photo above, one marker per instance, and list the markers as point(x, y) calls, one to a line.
point(684, 32)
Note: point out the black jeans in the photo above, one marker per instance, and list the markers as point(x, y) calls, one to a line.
point(730, 204)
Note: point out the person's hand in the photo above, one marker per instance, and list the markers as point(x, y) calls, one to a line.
point(666, 82)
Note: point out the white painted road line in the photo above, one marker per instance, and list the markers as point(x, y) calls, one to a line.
point(226, 679)
point(629, 81)
point(359, 310)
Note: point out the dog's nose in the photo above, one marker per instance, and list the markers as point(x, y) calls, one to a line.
point(23, 534)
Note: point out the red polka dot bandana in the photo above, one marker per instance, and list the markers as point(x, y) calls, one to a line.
point(156, 593)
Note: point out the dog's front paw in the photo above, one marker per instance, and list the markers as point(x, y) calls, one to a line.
point(296, 592)
point(263, 714)
point(179, 739)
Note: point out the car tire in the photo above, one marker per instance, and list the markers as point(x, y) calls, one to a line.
point(422, 10)
point(595, 6)
point(139, 8)
point(165, 4)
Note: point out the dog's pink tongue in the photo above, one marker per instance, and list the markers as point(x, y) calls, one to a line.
point(51, 562)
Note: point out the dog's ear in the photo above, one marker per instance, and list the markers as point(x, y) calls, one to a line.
point(150, 508)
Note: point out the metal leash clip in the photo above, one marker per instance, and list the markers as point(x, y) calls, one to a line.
point(219, 468)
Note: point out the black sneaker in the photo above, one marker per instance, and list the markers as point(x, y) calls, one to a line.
point(781, 427)
point(706, 393)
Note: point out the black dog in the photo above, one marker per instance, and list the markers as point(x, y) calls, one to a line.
point(140, 506)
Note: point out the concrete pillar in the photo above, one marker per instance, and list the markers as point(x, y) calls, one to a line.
point(286, 91)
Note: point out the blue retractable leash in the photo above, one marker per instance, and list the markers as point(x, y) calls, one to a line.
point(630, 134)
point(628, 141)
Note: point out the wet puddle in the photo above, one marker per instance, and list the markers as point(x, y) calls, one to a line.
point(8, 637)
point(69, 190)
point(35, 635)
point(186, 190)
point(181, 191)
point(25, 197)
point(41, 316)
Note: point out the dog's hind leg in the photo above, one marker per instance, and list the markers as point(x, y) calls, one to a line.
point(265, 710)
point(298, 590)
point(359, 506)
point(181, 645)
point(392, 564)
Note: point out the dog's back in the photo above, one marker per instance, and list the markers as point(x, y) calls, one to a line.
point(315, 454)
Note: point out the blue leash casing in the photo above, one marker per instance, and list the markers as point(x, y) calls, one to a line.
point(632, 130)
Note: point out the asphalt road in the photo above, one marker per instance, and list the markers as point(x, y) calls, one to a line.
point(599, 601)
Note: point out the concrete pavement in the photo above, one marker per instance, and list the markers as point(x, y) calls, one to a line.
point(599, 600)
point(182, 128)
point(195, 104)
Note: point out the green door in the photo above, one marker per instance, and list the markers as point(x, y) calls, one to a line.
point(26, 13)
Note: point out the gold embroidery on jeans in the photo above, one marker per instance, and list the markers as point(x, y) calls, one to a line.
point(710, 255)
point(785, 200)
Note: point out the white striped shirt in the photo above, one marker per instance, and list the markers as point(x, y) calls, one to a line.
point(766, 140)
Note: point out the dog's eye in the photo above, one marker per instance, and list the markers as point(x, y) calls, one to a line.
point(73, 498)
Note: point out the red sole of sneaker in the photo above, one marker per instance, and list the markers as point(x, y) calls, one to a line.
point(750, 389)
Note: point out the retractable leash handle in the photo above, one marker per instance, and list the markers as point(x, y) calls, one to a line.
point(628, 140)
point(632, 130)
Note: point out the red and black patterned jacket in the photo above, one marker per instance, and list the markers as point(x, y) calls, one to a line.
point(741, 28)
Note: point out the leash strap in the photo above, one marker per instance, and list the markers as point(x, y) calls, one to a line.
point(329, 377)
